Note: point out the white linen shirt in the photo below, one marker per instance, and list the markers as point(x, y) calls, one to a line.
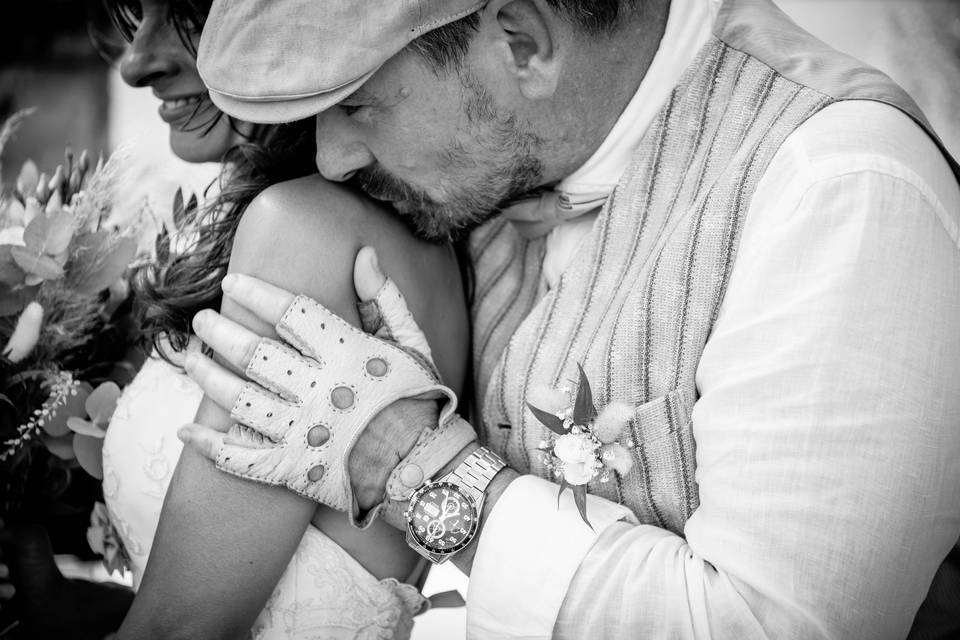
point(827, 428)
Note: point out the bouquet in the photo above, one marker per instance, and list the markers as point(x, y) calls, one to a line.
point(64, 320)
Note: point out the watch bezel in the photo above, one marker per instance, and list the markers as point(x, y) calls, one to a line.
point(415, 499)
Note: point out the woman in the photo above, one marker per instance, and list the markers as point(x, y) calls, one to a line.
point(215, 579)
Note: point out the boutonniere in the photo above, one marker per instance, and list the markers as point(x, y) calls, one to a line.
point(586, 444)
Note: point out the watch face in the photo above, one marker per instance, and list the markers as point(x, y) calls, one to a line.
point(442, 519)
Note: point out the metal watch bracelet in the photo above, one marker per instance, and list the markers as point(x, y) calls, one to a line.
point(476, 471)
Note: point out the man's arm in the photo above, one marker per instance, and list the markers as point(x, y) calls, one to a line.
point(828, 460)
point(826, 437)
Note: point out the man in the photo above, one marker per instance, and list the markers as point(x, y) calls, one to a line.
point(745, 237)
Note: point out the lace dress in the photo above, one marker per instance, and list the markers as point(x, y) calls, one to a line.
point(324, 592)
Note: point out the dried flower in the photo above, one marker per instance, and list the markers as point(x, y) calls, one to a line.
point(26, 334)
point(586, 448)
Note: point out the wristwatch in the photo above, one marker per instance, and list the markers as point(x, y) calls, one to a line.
point(444, 515)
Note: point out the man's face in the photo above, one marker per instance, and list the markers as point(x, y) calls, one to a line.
point(437, 147)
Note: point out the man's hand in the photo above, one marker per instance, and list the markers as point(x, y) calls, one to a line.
point(299, 415)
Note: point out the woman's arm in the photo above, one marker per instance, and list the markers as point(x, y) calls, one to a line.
point(223, 542)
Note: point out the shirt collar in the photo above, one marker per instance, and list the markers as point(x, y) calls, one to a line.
point(689, 25)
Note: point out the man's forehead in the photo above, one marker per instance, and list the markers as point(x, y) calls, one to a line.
point(282, 60)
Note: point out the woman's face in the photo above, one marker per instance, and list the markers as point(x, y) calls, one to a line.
point(157, 57)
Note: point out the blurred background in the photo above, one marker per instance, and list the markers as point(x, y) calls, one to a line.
point(48, 60)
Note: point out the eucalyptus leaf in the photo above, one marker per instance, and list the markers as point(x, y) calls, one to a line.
point(36, 232)
point(77, 424)
point(60, 446)
point(549, 420)
point(57, 424)
point(10, 273)
point(89, 454)
point(101, 404)
point(59, 231)
point(36, 264)
point(583, 410)
point(580, 498)
point(563, 485)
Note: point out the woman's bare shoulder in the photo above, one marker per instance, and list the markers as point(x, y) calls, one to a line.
point(307, 210)
point(304, 235)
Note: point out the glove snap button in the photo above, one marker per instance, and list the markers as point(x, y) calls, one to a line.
point(318, 436)
point(411, 476)
point(315, 473)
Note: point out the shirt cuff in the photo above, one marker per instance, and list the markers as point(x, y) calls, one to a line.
point(527, 555)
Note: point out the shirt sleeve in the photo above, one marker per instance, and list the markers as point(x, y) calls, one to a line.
point(828, 453)
point(520, 576)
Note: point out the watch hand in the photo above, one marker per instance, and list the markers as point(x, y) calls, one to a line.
point(450, 508)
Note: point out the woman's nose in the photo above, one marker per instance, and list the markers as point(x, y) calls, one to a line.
point(340, 151)
point(151, 55)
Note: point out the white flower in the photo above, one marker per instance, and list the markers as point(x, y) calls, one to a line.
point(12, 235)
point(577, 473)
point(574, 448)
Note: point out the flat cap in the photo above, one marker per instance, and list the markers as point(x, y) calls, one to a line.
point(281, 60)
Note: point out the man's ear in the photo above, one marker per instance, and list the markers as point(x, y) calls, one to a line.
point(531, 32)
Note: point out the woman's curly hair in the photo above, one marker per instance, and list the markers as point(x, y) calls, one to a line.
point(171, 290)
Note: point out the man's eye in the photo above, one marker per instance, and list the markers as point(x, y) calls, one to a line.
point(350, 109)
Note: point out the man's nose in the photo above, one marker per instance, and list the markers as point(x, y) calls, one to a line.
point(340, 150)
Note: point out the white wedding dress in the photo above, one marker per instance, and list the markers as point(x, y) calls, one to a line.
point(324, 592)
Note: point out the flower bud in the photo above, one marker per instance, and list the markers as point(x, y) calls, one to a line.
point(26, 334)
point(67, 161)
point(43, 190)
point(57, 180)
point(27, 180)
point(84, 162)
point(54, 203)
point(73, 186)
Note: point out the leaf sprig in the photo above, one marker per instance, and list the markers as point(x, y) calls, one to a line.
point(587, 442)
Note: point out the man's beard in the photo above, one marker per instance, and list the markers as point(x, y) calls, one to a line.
point(499, 166)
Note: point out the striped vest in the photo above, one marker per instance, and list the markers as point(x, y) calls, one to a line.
point(637, 305)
